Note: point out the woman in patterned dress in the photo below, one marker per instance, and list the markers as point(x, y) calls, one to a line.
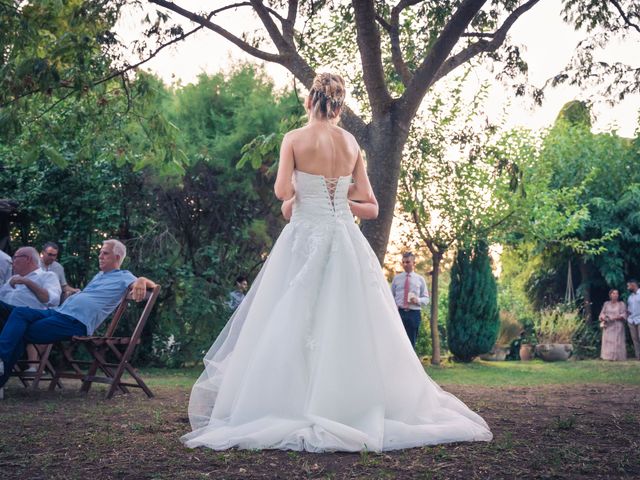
point(612, 318)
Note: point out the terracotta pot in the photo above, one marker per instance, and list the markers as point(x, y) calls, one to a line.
point(497, 354)
point(554, 352)
point(526, 352)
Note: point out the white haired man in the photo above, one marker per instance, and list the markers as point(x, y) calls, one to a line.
point(80, 314)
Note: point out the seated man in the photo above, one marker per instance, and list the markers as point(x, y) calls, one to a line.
point(79, 315)
point(48, 263)
point(30, 286)
point(5, 267)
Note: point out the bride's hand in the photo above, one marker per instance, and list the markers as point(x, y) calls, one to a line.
point(364, 210)
point(287, 208)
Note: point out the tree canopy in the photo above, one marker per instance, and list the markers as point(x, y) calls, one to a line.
point(404, 48)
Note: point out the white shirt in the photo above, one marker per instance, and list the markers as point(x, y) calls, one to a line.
point(22, 296)
point(633, 307)
point(56, 268)
point(5, 267)
point(417, 285)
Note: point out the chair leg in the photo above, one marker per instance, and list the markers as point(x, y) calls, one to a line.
point(134, 374)
point(100, 362)
point(44, 360)
point(86, 384)
point(124, 361)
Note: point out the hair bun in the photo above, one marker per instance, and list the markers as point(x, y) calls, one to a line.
point(327, 94)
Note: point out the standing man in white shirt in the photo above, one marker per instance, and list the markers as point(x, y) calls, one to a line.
point(5, 267)
point(633, 315)
point(410, 293)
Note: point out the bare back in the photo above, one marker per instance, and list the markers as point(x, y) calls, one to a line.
point(324, 149)
point(321, 148)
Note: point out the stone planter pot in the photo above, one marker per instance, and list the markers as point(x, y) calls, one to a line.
point(527, 352)
point(554, 352)
point(497, 354)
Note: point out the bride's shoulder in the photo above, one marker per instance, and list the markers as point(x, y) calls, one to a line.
point(348, 136)
point(296, 133)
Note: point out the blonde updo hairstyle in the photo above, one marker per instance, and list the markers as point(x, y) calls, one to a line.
point(326, 96)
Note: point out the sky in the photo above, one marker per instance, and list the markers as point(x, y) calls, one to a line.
point(548, 45)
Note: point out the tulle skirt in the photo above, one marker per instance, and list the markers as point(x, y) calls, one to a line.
point(316, 358)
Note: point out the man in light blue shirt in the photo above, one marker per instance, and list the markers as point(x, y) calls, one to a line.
point(80, 315)
point(410, 292)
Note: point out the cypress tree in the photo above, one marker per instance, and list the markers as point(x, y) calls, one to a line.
point(473, 320)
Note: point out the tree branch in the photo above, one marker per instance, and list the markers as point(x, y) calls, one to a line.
point(396, 50)
point(423, 78)
point(383, 23)
point(246, 4)
point(121, 71)
point(624, 16)
point(368, 38)
point(484, 46)
point(478, 35)
point(406, 4)
point(289, 24)
point(272, 29)
point(229, 7)
point(194, 17)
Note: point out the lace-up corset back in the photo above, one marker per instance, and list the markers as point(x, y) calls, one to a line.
point(319, 197)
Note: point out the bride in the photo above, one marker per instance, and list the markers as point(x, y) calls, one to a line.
point(316, 357)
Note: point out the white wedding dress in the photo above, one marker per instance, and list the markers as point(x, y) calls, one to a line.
point(316, 357)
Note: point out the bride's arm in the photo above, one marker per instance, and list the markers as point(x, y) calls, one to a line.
point(284, 185)
point(362, 200)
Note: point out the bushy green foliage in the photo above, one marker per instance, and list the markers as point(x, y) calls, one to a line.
point(600, 168)
point(473, 318)
point(163, 178)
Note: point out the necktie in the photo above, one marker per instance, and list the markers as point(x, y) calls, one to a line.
point(406, 292)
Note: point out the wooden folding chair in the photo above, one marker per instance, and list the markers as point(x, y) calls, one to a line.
point(100, 346)
point(44, 369)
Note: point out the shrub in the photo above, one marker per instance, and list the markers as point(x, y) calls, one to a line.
point(510, 328)
point(473, 320)
point(557, 325)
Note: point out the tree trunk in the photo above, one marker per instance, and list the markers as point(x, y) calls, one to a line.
point(385, 143)
point(585, 280)
point(435, 334)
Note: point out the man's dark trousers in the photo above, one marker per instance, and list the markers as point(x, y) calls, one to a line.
point(411, 322)
point(23, 325)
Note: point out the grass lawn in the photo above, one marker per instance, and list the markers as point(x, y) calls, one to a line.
point(571, 420)
point(536, 372)
point(479, 372)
